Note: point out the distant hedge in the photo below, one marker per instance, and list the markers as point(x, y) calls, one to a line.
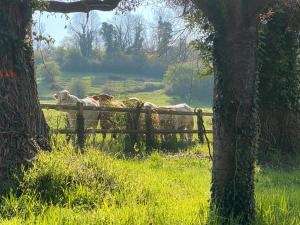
point(71, 60)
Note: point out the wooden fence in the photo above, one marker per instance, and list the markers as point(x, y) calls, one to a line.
point(132, 131)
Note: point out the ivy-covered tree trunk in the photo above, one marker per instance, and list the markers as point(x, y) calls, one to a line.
point(235, 116)
point(279, 89)
point(23, 130)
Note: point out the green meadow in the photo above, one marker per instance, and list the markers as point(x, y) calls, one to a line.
point(119, 85)
point(101, 186)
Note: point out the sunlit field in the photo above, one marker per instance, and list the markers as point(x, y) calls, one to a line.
point(120, 85)
point(167, 186)
point(64, 187)
point(100, 186)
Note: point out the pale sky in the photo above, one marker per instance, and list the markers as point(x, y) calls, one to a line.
point(54, 24)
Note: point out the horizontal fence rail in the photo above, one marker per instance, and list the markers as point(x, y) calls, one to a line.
point(116, 131)
point(123, 110)
point(132, 125)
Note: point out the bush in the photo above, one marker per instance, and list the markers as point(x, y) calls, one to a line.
point(74, 61)
point(184, 80)
point(78, 88)
point(71, 60)
point(49, 72)
point(68, 179)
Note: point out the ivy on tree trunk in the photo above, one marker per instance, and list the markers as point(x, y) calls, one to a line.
point(235, 107)
point(235, 130)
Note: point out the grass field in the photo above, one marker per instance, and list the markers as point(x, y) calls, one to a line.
point(95, 188)
point(100, 186)
point(119, 85)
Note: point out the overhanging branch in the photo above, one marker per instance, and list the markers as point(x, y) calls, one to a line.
point(80, 6)
point(259, 5)
point(203, 5)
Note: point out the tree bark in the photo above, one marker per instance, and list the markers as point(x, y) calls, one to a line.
point(235, 116)
point(23, 130)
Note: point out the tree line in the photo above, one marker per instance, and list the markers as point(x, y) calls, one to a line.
point(126, 44)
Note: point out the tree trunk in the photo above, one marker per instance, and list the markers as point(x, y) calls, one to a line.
point(235, 116)
point(23, 130)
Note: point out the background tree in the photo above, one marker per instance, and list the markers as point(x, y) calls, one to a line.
point(164, 36)
point(182, 50)
point(138, 39)
point(84, 28)
point(128, 32)
point(108, 35)
point(123, 34)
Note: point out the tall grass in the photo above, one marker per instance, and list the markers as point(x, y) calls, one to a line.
point(63, 187)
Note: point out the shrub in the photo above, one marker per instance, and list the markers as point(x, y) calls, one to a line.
point(68, 179)
point(78, 88)
point(75, 62)
point(49, 72)
point(185, 80)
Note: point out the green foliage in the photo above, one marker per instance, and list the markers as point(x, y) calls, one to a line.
point(71, 60)
point(279, 88)
point(74, 61)
point(137, 44)
point(65, 178)
point(78, 87)
point(48, 71)
point(184, 80)
point(124, 35)
point(195, 20)
point(108, 32)
point(279, 85)
point(164, 33)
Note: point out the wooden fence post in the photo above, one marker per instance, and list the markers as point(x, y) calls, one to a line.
point(80, 127)
point(200, 125)
point(131, 139)
point(150, 140)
